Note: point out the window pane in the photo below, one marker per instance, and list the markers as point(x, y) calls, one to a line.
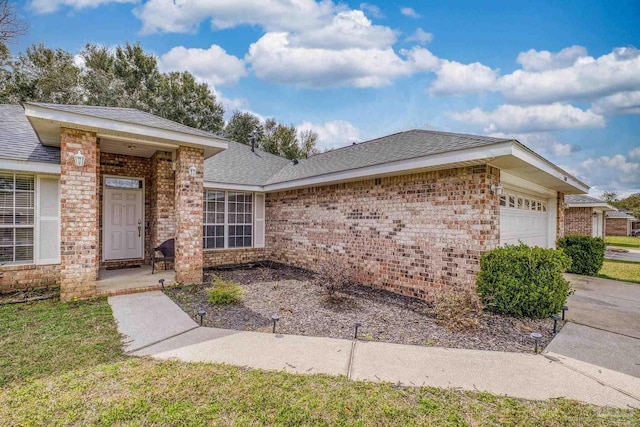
point(6, 254)
point(6, 199)
point(24, 236)
point(24, 216)
point(123, 183)
point(6, 181)
point(17, 208)
point(24, 253)
point(6, 216)
point(25, 182)
point(6, 236)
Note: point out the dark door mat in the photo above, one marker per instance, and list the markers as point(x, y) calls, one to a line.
point(122, 267)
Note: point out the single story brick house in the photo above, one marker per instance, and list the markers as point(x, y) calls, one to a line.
point(85, 188)
point(620, 223)
point(585, 215)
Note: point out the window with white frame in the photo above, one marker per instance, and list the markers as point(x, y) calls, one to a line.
point(228, 219)
point(17, 218)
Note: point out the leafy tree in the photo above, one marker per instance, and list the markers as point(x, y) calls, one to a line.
point(609, 196)
point(630, 203)
point(242, 126)
point(45, 75)
point(286, 141)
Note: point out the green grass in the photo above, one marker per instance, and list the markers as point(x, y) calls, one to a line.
point(621, 270)
point(77, 375)
point(623, 241)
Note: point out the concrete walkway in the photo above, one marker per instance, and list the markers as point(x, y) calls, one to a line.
point(631, 255)
point(156, 327)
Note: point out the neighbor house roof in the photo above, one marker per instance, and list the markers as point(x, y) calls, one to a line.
point(586, 201)
point(18, 140)
point(621, 215)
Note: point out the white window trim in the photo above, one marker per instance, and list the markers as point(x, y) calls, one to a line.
point(226, 220)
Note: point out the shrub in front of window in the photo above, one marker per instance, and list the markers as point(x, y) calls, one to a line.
point(586, 253)
point(522, 281)
point(224, 292)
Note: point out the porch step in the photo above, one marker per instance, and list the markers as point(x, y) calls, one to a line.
point(126, 291)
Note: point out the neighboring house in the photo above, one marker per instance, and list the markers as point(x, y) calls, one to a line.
point(620, 223)
point(585, 215)
point(84, 188)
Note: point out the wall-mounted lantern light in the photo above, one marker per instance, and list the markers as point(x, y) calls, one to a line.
point(496, 189)
point(193, 171)
point(78, 158)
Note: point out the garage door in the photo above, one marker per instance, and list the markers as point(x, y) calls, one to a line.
point(523, 218)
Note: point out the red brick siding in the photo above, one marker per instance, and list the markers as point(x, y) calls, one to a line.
point(218, 257)
point(80, 215)
point(409, 234)
point(560, 232)
point(26, 277)
point(617, 227)
point(188, 213)
point(133, 167)
point(578, 221)
point(162, 195)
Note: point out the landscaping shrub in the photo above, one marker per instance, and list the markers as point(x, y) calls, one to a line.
point(522, 281)
point(224, 292)
point(333, 277)
point(586, 253)
point(456, 309)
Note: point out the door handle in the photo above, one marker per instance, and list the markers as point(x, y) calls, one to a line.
point(139, 227)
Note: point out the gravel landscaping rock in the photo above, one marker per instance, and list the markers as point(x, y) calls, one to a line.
point(304, 310)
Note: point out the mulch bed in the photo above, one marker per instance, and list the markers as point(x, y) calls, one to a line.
point(304, 310)
point(29, 295)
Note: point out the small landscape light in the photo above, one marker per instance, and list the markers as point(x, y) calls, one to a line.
point(536, 337)
point(356, 325)
point(555, 318)
point(161, 281)
point(201, 313)
point(564, 308)
point(275, 319)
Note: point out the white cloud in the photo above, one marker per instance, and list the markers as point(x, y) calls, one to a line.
point(535, 118)
point(273, 58)
point(454, 78)
point(420, 36)
point(272, 15)
point(50, 6)
point(618, 104)
point(372, 10)
point(542, 143)
point(587, 79)
point(410, 12)
point(634, 154)
point(333, 134)
point(615, 172)
point(534, 60)
point(214, 65)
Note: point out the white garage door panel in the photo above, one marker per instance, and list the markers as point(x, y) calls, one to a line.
point(523, 218)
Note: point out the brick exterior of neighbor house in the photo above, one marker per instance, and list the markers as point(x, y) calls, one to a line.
point(617, 227)
point(189, 198)
point(409, 234)
point(578, 221)
point(80, 246)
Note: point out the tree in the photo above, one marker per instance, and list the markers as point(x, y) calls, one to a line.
point(609, 196)
point(242, 126)
point(45, 75)
point(630, 203)
point(287, 141)
point(11, 26)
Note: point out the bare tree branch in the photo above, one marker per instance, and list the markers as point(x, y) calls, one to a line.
point(11, 26)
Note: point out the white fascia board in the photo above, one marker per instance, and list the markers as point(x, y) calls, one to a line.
point(26, 166)
point(600, 206)
point(233, 187)
point(546, 166)
point(442, 159)
point(45, 113)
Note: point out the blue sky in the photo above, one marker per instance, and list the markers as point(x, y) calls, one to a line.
point(561, 77)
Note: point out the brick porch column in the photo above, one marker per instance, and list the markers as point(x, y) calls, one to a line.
point(79, 217)
point(162, 203)
point(188, 213)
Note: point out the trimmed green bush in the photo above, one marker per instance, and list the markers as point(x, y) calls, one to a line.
point(586, 253)
point(224, 292)
point(522, 281)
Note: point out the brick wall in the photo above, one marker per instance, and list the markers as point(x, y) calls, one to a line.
point(409, 234)
point(162, 203)
point(188, 213)
point(560, 211)
point(26, 277)
point(218, 257)
point(578, 221)
point(617, 227)
point(132, 167)
point(80, 215)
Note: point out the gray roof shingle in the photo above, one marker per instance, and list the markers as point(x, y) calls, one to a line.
point(620, 214)
point(582, 199)
point(128, 115)
point(18, 140)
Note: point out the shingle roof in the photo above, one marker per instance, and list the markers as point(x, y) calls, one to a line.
point(128, 115)
point(620, 214)
point(398, 146)
point(239, 165)
point(18, 140)
point(582, 199)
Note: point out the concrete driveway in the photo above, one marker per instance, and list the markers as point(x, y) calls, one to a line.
point(632, 255)
point(604, 326)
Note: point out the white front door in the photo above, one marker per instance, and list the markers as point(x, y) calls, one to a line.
point(123, 224)
point(597, 225)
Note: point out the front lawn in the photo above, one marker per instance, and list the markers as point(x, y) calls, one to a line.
point(626, 271)
point(623, 241)
point(62, 365)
